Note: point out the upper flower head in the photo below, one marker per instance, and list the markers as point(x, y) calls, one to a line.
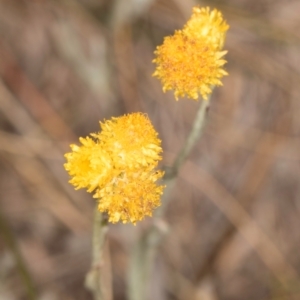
point(207, 25)
point(119, 165)
point(190, 62)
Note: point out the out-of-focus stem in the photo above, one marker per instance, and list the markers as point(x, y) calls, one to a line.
point(22, 268)
point(143, 254)
point(93, 280)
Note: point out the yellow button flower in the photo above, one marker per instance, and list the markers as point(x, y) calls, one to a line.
point(118, 164)
point(131, 141)
point(206, 25)
point(89, 165)
point(190, 62)
point(131, 196)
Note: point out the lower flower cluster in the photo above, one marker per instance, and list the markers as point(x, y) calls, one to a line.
point(118, 165)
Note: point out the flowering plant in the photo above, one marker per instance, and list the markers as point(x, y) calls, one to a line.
point(118, 164)
point(190, 62)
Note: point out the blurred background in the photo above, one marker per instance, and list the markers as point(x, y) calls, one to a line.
point(234, 216)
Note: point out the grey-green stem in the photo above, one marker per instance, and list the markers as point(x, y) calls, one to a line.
point(143, 254)
point(93, 280)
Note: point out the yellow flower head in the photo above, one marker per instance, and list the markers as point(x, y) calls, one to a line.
point(190, 62)
point(118, 164)
point(131, 141)
point(206, 25)
point(89, 165)
point(131, 196)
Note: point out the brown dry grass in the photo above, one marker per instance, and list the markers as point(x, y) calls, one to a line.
point(235, 212)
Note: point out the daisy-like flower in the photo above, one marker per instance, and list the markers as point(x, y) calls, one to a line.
point(84, 163)
point(119, 165)
point(208, 25)
point(131, 195)
point(191, 61)
point(131, 141)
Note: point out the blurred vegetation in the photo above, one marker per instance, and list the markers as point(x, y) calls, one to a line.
point(234, 216)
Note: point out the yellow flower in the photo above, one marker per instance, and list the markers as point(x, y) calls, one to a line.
point(190, 62)
point(89, 165)
point(131, 196)
point(206, 25)
point(118, 164)
point(131, 141)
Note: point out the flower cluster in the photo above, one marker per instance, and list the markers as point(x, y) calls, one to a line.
point(118, 165)
point(190, 62)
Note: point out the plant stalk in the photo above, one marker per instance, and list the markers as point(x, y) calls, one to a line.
point(143, 254)
point(93, 280)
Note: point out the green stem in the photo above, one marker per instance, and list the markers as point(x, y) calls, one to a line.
point(192, 138)
point(143, 255)
point(93, 280)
